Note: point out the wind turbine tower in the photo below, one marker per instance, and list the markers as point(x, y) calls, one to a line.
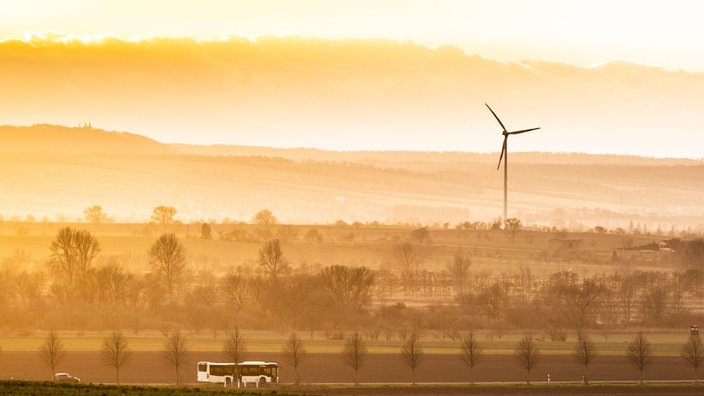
point(504, 156)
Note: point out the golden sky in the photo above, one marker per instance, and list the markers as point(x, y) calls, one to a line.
point(658, 33)
point(307, 93)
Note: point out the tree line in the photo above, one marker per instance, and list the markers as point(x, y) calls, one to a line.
point(78, 289)
point(115, 353)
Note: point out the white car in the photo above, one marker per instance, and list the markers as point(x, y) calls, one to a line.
point(66, 377)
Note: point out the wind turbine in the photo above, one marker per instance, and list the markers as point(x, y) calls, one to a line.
point(504, 155)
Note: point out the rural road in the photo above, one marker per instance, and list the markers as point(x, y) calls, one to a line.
point(326, 368)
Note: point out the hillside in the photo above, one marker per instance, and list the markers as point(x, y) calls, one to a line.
point(45, 138)
point(424, 159)
point(129, 175)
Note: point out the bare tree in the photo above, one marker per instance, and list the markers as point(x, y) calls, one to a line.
point(639, 353)
point(576, 303)
point(95, 214)
point(350, 287)
point(459, 271)
point(693, 353)
point(271, 259)
point(163, 215)
point(175, 352)
point(237, 290)
point(421, 236)
point(654, 303)
point(294, 352)
point(52, 351)
point(115, 352)
point(72, 255)
point(168, 259)
point(264, 217)
point(471, 353)
point(627, 289)
point(493, 299)
point(412, 354)
point(512, 225)
point(313, 235)
point(114, 284)
point(527, 354)
point(355, 353)
point(235, 349)
point(408, 255)
point(585, 352)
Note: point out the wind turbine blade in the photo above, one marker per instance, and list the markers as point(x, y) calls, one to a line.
point(522, 131)
point(497, 117)
point(503, 151)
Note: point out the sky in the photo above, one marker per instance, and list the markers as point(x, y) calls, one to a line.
point(663, 34)
point(658, 33)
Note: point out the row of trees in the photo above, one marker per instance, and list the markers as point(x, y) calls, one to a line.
point(76, 279)
point(166, 215)
point(639, 353)
point(81, 290)
point(115, 352)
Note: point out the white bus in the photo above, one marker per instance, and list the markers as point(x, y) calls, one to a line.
point(249, 372)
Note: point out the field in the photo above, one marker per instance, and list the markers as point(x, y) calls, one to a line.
point(368, 245)
point(324, 363)
point(323, 370)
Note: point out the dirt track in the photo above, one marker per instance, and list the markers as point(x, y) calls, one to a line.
point(149, 368)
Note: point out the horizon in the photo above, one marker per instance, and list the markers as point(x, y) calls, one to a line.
point(293, 148)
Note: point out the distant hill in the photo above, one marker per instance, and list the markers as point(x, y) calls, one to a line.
point(416, 159)
point(58, 171)
point(45, 138)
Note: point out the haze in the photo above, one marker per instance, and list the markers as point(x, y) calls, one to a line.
point(363, 75)
point(656, 33)
point(324, 173)
point(414, 77)
point(370, 94)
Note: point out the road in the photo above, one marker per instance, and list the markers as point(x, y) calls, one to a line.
point(149, 368)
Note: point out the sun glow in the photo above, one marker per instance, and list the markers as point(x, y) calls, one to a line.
point(657, 33)
point(69, 38)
